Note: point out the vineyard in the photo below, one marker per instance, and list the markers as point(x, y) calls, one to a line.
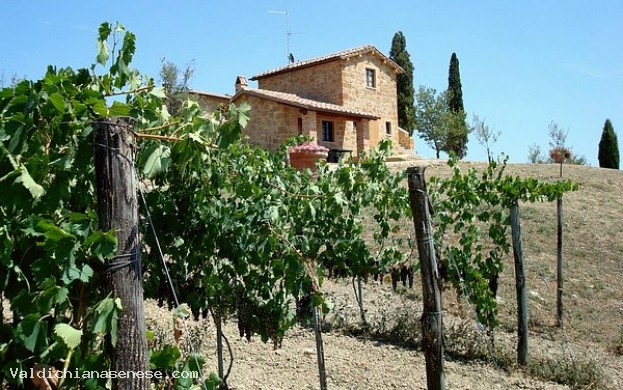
point(228, 240)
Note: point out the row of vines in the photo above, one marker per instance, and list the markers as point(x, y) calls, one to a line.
point(243, 233)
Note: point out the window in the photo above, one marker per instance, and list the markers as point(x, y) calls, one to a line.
point(327, 131)
point(370, 78)
point(388, 128)
point(300, 126)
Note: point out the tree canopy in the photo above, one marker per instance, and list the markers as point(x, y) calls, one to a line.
point(608, 147)
point(457, 139)
point(404, 82)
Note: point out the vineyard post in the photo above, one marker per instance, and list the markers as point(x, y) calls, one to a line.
point(319, 348)
point(559, 263)
point(520, 284)
point(118, 209)
point(359, 296)
point(219, 347)
point(559, 306)
point(432, 338)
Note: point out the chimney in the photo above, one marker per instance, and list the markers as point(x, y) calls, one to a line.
point(241, 83)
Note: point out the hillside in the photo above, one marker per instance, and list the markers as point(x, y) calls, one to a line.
point(590, 343)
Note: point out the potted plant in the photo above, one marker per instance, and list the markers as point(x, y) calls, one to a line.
point(305, 155)
point(560, 154)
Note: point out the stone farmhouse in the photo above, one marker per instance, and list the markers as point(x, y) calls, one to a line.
point(346, 101)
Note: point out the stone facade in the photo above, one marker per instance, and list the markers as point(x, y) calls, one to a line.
point(352, 93)
point(210, 102)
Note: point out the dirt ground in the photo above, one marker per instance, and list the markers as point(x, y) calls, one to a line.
point(352, 362)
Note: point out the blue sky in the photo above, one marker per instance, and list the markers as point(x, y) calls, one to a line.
point(523, 63)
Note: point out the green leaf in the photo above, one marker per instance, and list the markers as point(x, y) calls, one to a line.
point(70, 336)
point(165, 358)
point(158, 92)
point(182, 311)
point(157, 161)
point(99, 107)
point(102, 43)
point(119, 109)
point(35, 189)
point(31, 332)
point(102, 244)
point(58, 101)
point(86, 273)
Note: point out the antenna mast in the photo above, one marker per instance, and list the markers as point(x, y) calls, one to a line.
point(289, 33)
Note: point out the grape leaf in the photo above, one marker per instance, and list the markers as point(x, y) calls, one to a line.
point(70, 336)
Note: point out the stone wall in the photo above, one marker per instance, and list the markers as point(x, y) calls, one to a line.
point(381, 100)
point(344, 135)
point(321, 82)
point(270, 124)
point(405, 140)
point(209, 103)
point(343, 82)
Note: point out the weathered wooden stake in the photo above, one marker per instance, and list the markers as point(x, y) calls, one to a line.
point(118, 209)
point(432, 337)
point(520, 284)
point(219, 347)
point(320, 349)
point(559, 278)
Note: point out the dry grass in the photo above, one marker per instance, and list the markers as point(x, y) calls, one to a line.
point(592, 252)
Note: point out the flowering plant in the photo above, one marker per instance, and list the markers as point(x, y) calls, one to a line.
point(308, 147)
point(560, 154)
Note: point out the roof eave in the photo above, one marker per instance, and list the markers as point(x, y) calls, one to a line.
point(305, 106)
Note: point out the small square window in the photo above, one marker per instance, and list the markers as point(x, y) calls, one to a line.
point(388, 128)
point(327, 131)
point(370, 78)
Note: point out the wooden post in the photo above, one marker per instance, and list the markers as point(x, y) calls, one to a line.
point(559, 277)
point(520, 284)
point(320, 349)
point(362, 312)
point(219, 347)
point(431, 320)
point(118, 209)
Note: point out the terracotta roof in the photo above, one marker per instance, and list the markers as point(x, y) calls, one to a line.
point(210, 94)
point(330, 57)
point(308, 104)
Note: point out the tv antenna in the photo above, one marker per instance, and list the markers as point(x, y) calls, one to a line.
point(289, 34)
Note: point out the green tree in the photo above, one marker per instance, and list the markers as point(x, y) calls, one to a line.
point(176, 84)
point(431, 112)
point(457, 141)
point(404, 82)
point(559, 148)
point(608, 147)
point(559, 151)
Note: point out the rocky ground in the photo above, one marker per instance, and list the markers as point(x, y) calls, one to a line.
point(364, 362)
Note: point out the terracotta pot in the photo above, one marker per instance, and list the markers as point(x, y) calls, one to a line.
point(305, 160)
point(306, 155)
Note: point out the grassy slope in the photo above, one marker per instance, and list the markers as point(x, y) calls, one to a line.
point(592, 249)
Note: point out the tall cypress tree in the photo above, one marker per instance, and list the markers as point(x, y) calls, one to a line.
point(457, 140)
point(608, 147)
point(404, 82)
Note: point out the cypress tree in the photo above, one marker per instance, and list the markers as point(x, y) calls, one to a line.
point(608, 148)
point(457, 141)
point(404, 82)
point(455, 92)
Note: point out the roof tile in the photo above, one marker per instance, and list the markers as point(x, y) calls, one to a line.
point(326, 58)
